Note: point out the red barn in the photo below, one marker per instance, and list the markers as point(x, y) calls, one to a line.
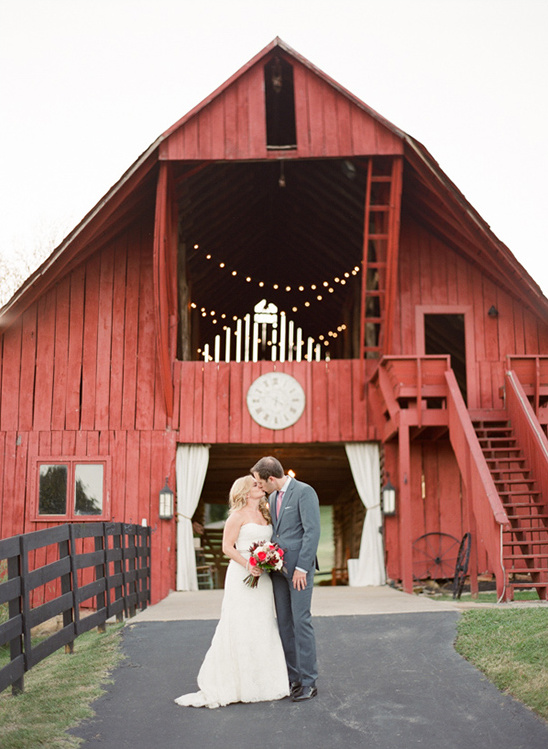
point(285, 272)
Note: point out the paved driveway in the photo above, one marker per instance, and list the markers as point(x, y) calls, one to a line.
point(388, 681)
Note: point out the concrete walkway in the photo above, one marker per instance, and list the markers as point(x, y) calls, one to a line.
point(326, 601)
point(390, 678)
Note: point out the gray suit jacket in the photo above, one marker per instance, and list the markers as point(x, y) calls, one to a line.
point(297, 529)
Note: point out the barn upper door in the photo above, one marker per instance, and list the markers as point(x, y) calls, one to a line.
point(448, 330)
point(444, 334)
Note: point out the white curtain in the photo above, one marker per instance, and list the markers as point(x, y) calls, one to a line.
point(192, 462)
point(368, 569)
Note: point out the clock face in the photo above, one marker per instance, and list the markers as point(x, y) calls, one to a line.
point(275, 400)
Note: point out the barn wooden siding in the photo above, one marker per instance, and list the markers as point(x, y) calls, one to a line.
point(232, 125)
point(211, 400)
point(433, 274)
point(438, 501)
point(80, 378)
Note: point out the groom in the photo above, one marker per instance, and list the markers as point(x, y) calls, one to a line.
point(295, 512)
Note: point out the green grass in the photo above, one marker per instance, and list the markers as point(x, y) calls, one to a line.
point(519, 595)
point(58, 693)
point(511, 648)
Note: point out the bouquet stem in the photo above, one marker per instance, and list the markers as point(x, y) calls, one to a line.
point(252, 581)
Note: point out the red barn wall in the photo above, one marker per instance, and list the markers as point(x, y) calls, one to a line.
point(233, 126)
point(79, 378)
point(431, 273)
point(437, 502)
point(337, 408)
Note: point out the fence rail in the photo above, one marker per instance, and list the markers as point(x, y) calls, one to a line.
point(53, 572)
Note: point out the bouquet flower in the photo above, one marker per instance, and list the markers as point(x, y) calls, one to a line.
point(265, 556)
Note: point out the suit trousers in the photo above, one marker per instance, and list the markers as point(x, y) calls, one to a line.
point(296, 630)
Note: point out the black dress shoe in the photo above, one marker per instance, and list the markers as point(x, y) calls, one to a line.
point(294, 688)
point(305, 693)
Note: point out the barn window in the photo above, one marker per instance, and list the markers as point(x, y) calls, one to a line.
point(279, 105)
point(71, 488)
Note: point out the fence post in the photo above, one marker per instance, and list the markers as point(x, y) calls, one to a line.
point(67, 587)
point(15, 610)
point(100, 571)
point(130, 572)
point(117, 542)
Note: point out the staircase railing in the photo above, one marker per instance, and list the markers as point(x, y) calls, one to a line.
point(489, 516)
point(528, 431)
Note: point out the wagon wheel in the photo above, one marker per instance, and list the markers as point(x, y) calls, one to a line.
point(461, 567)
point(434, 556)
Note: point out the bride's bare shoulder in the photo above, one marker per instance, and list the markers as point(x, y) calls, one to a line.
point(235, 519)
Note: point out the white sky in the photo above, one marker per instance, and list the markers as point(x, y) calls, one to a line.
point(87, 85)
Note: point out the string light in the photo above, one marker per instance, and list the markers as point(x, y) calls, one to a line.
point(330, 287)
point(340, 279)
point(332, 333)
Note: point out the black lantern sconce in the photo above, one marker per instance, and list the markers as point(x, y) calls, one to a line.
point(493, 311)
point(166, 503)
point(388, 494)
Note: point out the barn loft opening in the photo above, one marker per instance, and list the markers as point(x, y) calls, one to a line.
point(279, 104)
point(286, 234)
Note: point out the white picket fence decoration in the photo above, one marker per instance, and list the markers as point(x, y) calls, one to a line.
point(267, 330)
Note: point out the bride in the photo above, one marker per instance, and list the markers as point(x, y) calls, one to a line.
point(245, 662)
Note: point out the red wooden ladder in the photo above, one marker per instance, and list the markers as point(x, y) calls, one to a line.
point(380, 243)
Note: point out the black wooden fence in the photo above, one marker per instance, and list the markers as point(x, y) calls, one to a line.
point(52, 572)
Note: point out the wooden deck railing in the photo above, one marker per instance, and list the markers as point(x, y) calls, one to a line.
point(532, 373)
point(488, 512)
point(105, 565)
point(414, 389)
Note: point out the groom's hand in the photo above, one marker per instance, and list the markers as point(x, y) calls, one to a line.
point(299, 580)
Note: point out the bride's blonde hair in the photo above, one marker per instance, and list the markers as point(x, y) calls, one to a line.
point(237, 498)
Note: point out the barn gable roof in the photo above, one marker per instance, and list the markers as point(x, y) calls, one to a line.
point(225, 125)
point(348, 128)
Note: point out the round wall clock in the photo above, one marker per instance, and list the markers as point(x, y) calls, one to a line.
point(275, 400)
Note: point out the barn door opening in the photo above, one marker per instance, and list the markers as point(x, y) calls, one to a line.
point(325, 466)
point(445, 334)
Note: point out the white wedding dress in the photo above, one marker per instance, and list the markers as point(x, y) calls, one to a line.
point(245, 662)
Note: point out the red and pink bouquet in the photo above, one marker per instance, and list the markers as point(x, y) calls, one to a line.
point(266, 556)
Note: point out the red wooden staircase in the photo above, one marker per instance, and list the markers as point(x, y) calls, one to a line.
point(525, 539)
